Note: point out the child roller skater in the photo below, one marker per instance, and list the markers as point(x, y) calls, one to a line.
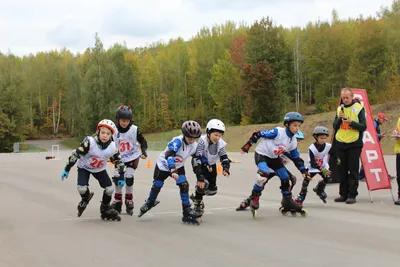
point(91, 157)
point(210, 149)
point(273, 143)
point(171, 163)
point(317, 164)
point(127, 138)
point(284, 157)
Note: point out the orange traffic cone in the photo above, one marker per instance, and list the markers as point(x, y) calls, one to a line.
point(148, 166)
point(219, 168)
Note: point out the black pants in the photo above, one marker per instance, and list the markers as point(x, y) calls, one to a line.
point(348, 170)
point(102, 177)
point(398, 171)
point(211, 178)
point(320, 185)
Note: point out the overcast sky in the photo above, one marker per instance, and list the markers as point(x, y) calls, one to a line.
point(29, 26)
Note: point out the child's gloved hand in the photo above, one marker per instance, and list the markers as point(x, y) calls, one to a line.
point(64, 175)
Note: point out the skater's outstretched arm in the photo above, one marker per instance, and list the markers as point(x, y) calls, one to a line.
point(83, 149)
point(270, 134)
point(196, 164)
point(225, 162)
point(143, 144)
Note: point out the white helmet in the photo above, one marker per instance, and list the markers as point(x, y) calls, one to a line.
point(216, 125)
point(107, 123)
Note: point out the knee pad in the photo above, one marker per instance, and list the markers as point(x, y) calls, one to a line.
point(157, 185)
point(202, 191)
point(327, 179)
point(305, 183)
point(293, 179)
point(82, 189)
point(285, 185)
point(181, 179)
point(263, 169)
point(115, 181)
point(129, 173)
point(109, 190)
point(282, 173)
point(184, 187)
point(261, 180)
point(129, 181)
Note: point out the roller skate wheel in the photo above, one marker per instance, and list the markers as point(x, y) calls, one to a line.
point(304, 213)
point(254, 213)
point(324, 200)
point(280, 209)
point(294, 213)
point(191, 221)
point(118, 218)
point(130, 212)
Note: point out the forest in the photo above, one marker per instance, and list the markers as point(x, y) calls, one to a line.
point(241, 74)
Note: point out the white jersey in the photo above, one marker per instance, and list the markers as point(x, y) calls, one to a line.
point(96, 158)
point(273, 148)
point(321, 158)
point(181, 155)
point(127, 144)
point(211, 153)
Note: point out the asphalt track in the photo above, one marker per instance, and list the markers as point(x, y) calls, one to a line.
point(39, 225)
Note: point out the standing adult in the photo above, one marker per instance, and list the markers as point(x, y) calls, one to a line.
point(396, 133)
point(349, 124)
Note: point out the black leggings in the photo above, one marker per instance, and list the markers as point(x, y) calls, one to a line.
point(102, 177)
point(398, 171)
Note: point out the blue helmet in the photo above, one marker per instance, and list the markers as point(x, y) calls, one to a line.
point(292, 116)
point(299, 135)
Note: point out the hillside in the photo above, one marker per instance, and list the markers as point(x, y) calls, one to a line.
point(236, 136)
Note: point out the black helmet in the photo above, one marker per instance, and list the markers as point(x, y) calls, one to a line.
point(124, 112)
point(191, 129)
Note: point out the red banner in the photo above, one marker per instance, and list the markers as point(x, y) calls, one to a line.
point(376, 174)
